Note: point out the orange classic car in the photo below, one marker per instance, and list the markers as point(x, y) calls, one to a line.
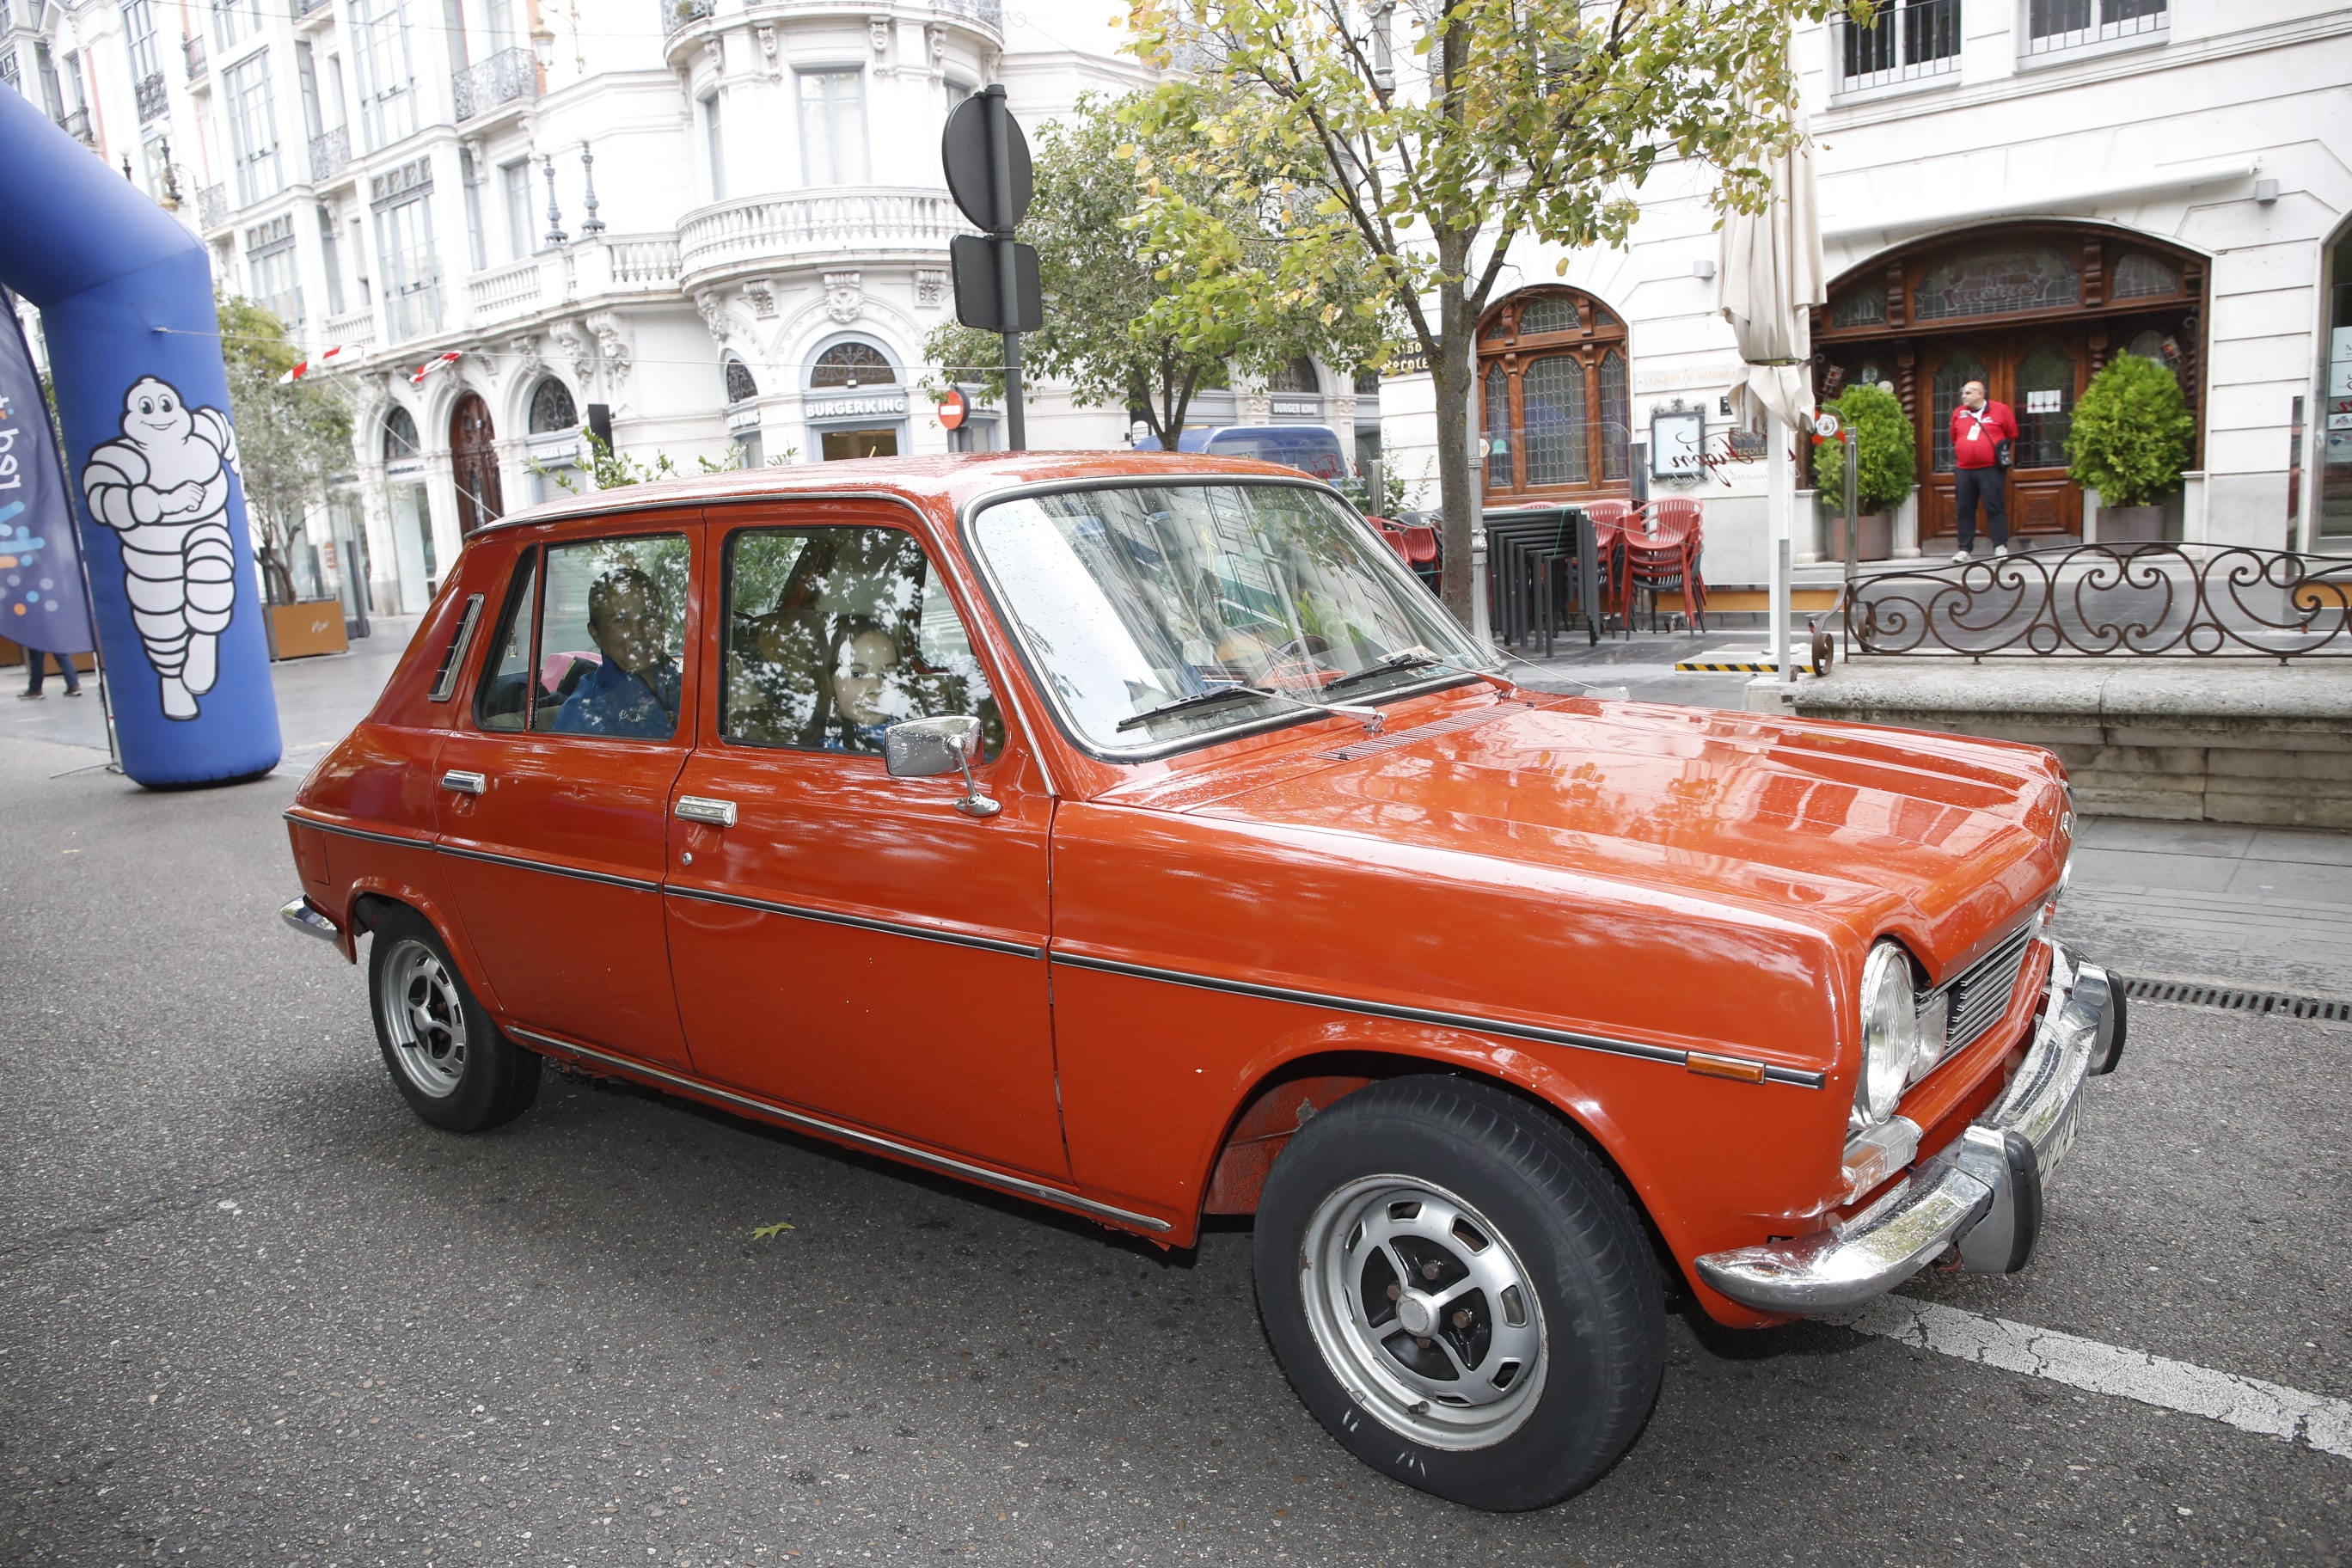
point(1137, 835)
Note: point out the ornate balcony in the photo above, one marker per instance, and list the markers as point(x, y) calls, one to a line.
point(760, 234)
point(510, 76)
point(331, 154)
point(507, 291)
point(193, 46)
point(212, 207)
point(679, 14)
point(150, 93)
point(77, 125)
point(987, 13)
point(352, 327)
point(615, 265)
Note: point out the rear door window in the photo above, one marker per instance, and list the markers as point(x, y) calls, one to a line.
point(593, 641)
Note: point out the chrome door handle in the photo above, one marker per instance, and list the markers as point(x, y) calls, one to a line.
point(464, 781)
point(702, 808)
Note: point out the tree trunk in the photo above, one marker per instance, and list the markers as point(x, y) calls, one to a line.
point(1452, 377)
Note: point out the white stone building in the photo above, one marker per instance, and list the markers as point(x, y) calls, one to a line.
point(2016, 189)
point(722, 223)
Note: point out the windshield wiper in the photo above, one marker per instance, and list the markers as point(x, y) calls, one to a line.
point(1403, 658)
point(1370, 718)
point(1202, 699)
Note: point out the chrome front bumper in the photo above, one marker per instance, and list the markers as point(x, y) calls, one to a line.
point(1981, 1194)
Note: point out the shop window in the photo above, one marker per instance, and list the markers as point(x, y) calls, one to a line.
point(2139, 276)
point(1995, 282)
point(1554, 388)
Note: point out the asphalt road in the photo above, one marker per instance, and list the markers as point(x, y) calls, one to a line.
point(251, 1311)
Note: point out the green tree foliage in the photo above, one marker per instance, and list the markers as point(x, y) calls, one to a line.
point(290, 435)
point(1434, 134)
point(2131, 435)
point(1885, 454)
point(1130, 322)
point(954, 353)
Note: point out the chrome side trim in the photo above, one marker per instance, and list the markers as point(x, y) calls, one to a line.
point(855, 1137)
point(297, 913)
point(1601, 1042)
point(861, 923)
point(609, 879)
point(1981, 1194)
point(404, 840)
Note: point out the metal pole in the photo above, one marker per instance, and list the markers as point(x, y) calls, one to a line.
point(1779, 501)
point(1008, 291)
point(1852, 523)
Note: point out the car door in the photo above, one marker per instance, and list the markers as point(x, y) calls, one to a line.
point(554, 800)
point(847, 942)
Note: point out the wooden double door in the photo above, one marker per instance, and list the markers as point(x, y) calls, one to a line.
point(2039, 373)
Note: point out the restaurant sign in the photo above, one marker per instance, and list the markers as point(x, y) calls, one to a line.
point(855, 407)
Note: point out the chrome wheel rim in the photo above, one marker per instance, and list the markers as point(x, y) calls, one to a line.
point(1423, 1311)
point(425, 1019)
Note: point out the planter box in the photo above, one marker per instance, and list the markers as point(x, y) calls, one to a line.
point(2131, 524)
point(1876, 537)
point(311, 627)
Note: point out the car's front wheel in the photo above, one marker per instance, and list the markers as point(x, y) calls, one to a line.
point(455, 1067)
point(1460, 1291)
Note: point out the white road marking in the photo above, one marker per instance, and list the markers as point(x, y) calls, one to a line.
point(2248, 1404)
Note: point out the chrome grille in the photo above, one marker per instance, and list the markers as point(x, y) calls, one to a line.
point(1976, 1000)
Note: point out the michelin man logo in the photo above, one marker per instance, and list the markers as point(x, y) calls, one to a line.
point(163, 486)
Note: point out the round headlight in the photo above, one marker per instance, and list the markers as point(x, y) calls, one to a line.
point(1890, 1035)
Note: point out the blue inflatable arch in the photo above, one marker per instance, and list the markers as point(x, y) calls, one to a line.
point(126, 301)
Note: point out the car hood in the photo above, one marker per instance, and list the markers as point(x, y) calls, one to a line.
point(1940, 839)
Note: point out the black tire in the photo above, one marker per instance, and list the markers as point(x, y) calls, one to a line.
point(456, 1069)
point(1458, 1154)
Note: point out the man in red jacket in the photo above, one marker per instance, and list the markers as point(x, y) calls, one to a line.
point(1980, 428)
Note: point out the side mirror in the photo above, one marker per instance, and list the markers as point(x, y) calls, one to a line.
point(920, 748)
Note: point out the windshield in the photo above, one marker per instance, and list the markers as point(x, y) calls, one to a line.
point(1132, 600)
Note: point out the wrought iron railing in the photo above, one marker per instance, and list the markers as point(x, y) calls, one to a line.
point(151, 97)
point(502, 79)
point(77, 125)
point(331, 154)
point(2202, 601)
point(212, 207)
point(1908, 40)
point(681, 14)
point(193, 46)
point(988, 13)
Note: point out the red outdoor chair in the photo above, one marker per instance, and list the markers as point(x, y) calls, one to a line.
point(1665, 565)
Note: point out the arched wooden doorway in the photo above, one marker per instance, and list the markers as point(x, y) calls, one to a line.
point(1552, 397)
point(474, 463)
point(2034, 311)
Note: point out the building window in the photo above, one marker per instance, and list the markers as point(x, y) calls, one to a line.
point(387, 85)
point(1995, 282)
point(1297, 376)
point(1553, 386)
point(740, 387)
point(331, 255)
point(552, 409)
point(1909, 41)
point(233, 23)
point(252, 128)
point(2052, 26)
point(270, 269)
point(833, 128)
point(1863, 307)
point(2139, 276)
point(853, 365)
point(715, 147)
point(514, 182)
point(146, 59)
point(399, 435)
point(468, 177)
point(404, 240)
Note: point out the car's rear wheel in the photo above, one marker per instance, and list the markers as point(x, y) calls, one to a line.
point(456, 1068)
point(1460, 1291)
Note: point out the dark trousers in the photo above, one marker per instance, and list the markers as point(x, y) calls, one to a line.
point(35, 662)
point(1992, 486)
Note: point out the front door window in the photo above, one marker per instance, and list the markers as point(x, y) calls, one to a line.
point(1958, 368)
point(2045, 405)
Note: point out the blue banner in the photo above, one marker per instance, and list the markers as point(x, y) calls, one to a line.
point(41, 603)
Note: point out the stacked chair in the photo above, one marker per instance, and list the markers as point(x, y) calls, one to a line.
point(1658, 552)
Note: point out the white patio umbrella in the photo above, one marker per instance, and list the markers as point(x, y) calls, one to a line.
point(1770, 275)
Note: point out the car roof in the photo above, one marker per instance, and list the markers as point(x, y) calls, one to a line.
point(957, 478)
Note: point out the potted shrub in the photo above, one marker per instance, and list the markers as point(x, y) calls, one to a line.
point(1886, 463)
point(2129, 442)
